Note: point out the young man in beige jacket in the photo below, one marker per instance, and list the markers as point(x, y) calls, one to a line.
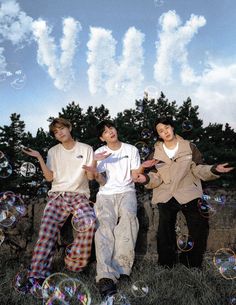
point(177, 187)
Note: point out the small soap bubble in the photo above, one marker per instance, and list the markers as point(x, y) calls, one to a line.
point(50, 285)
point(206, 209)
point(158, 3)
point(225, 261)
point(146, 134)
point(15, 76)
point(6, 172)
point(7, 198)
point(139, 289)
point(8, 220)
point(3, 162)
point(143, 149)
point(151, 93)
point(187, 125)
point(81, 223)
point(116, 299)
point(20, 282)
point(73, 252)
point(74, 291)
point(185, 243)
point(27, 169)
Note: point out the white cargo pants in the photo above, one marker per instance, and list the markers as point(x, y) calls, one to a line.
point(116, 234)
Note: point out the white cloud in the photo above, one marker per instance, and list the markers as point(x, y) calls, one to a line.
point(3, 63)
point(172, 46)
point(216, 95)
point(123, 77)
point(101, 52)
point(59, 68)
point(15, 25)
point(213, 90)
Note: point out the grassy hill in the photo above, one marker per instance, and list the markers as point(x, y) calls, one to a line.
point(177, 286)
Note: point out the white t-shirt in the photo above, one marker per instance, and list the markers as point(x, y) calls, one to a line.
point(171, 152)
point(66, 164)
point(118, 168)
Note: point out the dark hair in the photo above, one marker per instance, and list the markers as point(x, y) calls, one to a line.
point(101, 127)
point(165, 121)
point(57, 122)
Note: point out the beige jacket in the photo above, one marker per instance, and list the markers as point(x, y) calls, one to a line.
point(181, 176)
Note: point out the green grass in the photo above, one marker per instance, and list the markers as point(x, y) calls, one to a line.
point(177, 286)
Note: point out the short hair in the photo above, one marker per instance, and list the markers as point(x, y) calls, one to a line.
point(101, 127)
point(165, 121)
point(58, 122)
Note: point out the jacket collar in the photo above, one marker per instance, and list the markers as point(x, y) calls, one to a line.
point(184, 148)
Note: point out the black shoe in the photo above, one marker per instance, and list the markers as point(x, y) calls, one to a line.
point(106, 287)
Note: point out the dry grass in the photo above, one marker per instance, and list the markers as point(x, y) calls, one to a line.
point(178, 286)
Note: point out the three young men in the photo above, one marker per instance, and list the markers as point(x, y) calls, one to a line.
point(115, 166)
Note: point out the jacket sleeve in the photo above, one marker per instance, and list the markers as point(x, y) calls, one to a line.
point(153, 180)
point(203, 172)
point(199, 169)
point(196, 154)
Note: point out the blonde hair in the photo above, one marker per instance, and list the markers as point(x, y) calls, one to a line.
point(58, 122)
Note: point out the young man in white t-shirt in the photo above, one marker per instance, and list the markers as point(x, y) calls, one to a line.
point(115, 208)
point(69, 194)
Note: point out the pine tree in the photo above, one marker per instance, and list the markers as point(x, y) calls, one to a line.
point(188, 123)
point(12, 138)
point(91, 118)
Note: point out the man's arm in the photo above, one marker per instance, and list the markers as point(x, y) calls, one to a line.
point(203, 171)
point(47, 173)
point(150, 180)
point(91, 170)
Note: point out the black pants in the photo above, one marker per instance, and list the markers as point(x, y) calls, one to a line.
point(198, 227)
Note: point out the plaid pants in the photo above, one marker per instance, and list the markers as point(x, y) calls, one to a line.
point(57, 210)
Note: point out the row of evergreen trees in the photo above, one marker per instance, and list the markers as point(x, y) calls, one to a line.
point(216, 142)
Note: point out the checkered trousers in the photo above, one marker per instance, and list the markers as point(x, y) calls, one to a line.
point(57, 210)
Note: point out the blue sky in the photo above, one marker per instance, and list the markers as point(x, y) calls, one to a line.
point(108, 51)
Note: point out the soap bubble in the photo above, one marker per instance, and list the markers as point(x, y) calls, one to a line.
point(139, 289)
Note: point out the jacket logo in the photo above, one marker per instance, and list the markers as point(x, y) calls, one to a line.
point(79, 157)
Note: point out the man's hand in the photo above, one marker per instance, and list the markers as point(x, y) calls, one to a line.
point(221, 168)
point(31, 152)
point(101, 156)
point(89, 168)
point(149, 163)
point(139, 178)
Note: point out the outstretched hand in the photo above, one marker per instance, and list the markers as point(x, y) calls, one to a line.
point(149, 163)
point(31, 152)
point(222, 168)
point(101, 156)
